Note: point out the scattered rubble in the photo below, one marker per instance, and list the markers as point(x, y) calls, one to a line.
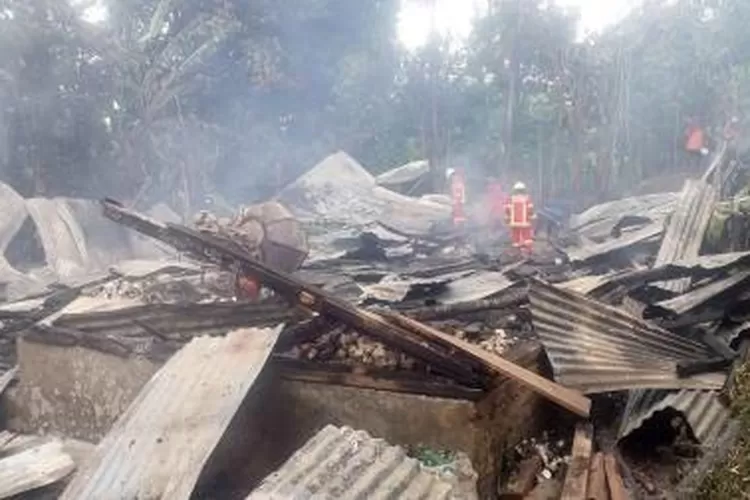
point(640, 326)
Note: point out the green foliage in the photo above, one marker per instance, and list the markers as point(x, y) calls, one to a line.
point(731, 479)
point(183, 98)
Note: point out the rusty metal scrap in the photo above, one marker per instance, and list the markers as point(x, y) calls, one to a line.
point(703, 411)
point(597, 348)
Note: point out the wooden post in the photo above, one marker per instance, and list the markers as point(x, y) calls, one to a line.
point(597, 487)
point(616, 485)
point(577, 477)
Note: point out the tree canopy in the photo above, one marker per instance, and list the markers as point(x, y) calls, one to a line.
point(179, 100)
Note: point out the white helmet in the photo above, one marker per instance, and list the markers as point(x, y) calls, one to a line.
point(449, 172)
point(519, 186)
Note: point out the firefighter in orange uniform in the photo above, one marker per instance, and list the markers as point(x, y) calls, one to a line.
point(519, 215)
point(458, 195)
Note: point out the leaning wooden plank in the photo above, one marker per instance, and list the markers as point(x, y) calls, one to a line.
point(597, 488)
point(567, 398)
point(34, 468)
point(617, 490)
point(159, 446)
point(577, 477)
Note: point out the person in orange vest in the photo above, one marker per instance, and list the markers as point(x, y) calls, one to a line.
point(458, 195)
point(519, 215)
point(695, 143)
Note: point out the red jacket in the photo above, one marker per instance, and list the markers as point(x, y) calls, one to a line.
point(519, 211)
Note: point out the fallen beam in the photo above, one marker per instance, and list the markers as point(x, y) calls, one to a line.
point(617, 490)
point(567, 398)
point(597, 487)
point(231, 257)
point(577, 476)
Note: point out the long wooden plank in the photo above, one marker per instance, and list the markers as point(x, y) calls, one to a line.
point(230, 256)
point(597, 488)
point(577, 477)
point(567, 398)
point(617, 490)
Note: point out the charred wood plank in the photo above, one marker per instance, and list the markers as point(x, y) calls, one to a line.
point(688, 368)
point(567, 398)
point(617, 490)
point(231, 257)
point(577, 476)
point(303, 372)
point(597, 486)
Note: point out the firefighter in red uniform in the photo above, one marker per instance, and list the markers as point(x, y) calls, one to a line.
point(458, 196)
point(519, 215)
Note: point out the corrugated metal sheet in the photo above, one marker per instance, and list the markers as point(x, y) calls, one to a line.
point(478, 286)
point(689, 302)
point(590, 251)
point(344, 463)
point(597, 348)
point(687, 227)
point(703, 410)
point(34, 468)
point(597, 222)
point(159, 446)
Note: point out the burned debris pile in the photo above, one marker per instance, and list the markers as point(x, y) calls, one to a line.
point(379, 329)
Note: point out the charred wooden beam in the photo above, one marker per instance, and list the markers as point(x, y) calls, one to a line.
point(318, 373)
point(577, 476)
point(567, 398)
point(233, 258)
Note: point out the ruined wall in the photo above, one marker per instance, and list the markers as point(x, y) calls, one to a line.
point(80, 392)
point(73, 391)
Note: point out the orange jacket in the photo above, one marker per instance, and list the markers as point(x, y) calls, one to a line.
point(519, 211)
point(695, 139)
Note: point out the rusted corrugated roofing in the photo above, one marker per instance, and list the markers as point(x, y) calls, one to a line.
point(687, 227)
point(703, 410)
point(597, 348)
point(159, 446)
point(344, 463)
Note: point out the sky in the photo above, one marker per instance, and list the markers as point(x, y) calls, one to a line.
point(455, 17)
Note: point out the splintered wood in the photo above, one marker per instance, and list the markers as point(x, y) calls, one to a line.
point(567, 398)
point(617, 489)
point(597, 488)
point(577, 477)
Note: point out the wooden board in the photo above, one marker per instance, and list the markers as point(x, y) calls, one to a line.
point(567, 398)
point(577, 477)
point(617, 490)
point(597, 487)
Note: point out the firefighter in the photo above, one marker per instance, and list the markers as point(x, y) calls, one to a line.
point(519, 215)
point(458, 195)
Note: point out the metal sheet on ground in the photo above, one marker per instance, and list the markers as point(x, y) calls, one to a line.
point(159, 446)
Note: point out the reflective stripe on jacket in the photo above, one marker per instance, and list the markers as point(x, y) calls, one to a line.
point(519, 211)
